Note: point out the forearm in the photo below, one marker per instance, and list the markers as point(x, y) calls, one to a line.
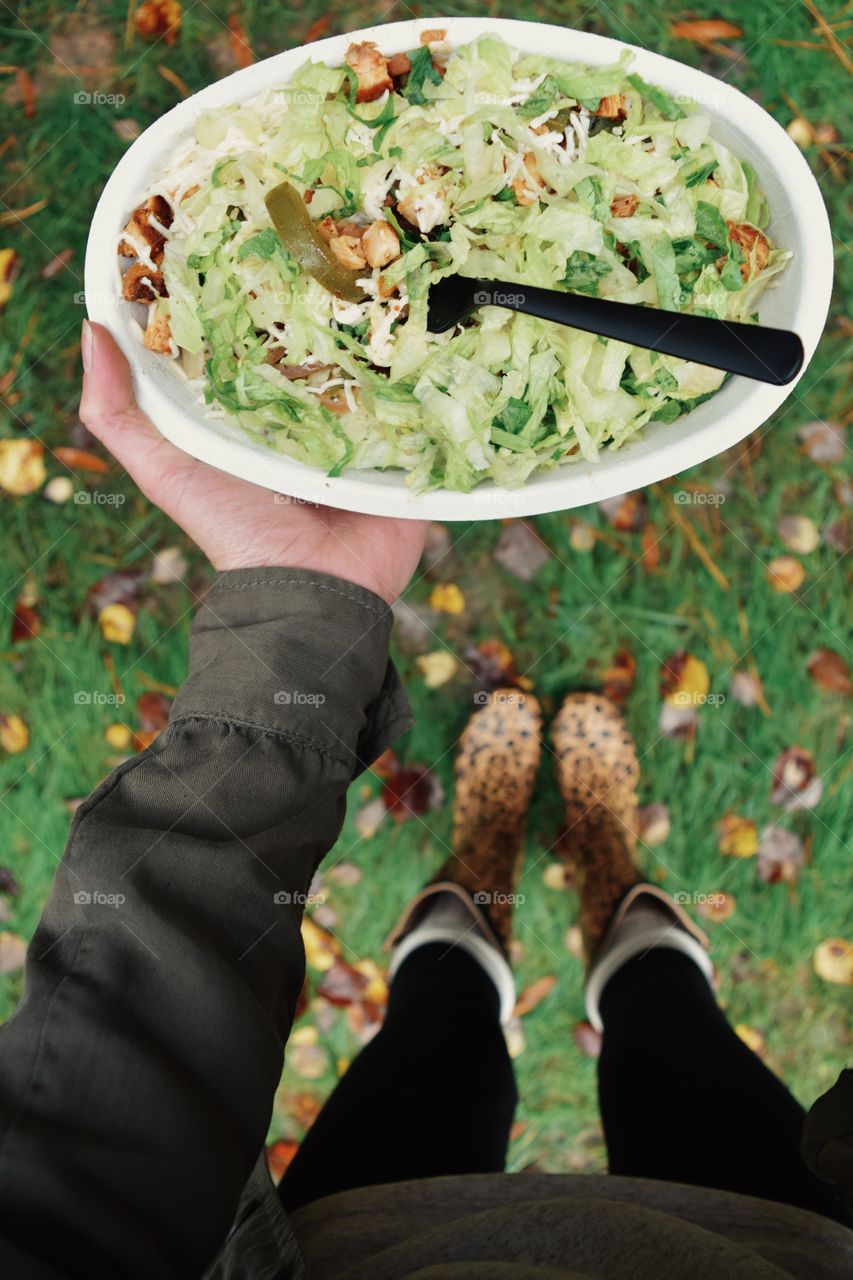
point(137, 1078)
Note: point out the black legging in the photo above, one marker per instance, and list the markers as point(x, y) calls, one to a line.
point(682, 1097)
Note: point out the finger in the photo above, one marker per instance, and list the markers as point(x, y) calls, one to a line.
point(109, 410)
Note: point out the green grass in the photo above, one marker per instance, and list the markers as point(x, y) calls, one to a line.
point(563, 628)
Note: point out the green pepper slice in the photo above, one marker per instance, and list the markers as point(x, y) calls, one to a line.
point(304, 243)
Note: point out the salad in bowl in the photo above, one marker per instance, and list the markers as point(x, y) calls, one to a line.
point(281, 258)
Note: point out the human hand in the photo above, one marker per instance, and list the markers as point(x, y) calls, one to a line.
point(237, 524)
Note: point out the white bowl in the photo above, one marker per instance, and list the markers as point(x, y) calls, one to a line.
point(799, 300)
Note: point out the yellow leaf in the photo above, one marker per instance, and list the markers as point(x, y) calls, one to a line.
point(753, 1039)
point(117, 623)
point(785, 574)
point(447, 598)
point(691, 683)
point(14, 734)
point(321, 949)
point(554, 876)
point(738, 837)
point(21, 466)
point(8, 267)
point(437, 667)
point(118, 736)
point(304, 1035)
point(833, 961)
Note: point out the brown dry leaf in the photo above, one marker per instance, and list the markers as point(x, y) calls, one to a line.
point(823, 441)
point(753, 1039)
point(491, 664)
point(437, 667)
point(8, 883)
point(81, 459)
point(830, 671)
point(153, 711)
point(13, 951)
point(747, 689)
point(521, 551)
point(21, 466)
point(587, 1039)
point(705, 30)
point(534, 994)
point(58, 263)
point(446, 597)
point(279, 1156)
point(618, 679)
point(795, 785)
point(318, 28)
point(26, 623)
point(784, 574)
point(120, 587)
point(626, 512)
point(342, 984)
point(737, 837)
point(781, 853)
point(799, 534)
point(14, 735)
point(240, 47)
point(653, 824)
point(117, 623)
point(411, 791)
point(838, 535)
point(159, 20)
point(684, 680)
point(10, 265)
point(651, 548)
point(716, 907)
point(833, 961)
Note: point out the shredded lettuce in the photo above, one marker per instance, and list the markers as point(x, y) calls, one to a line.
point(486, 163)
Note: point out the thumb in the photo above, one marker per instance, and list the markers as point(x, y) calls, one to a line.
point(109, 410)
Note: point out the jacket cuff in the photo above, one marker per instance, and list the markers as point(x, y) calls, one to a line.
point(298, 654)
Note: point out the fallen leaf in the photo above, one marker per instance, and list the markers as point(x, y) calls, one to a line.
point(169, 565)
point(60, 489)
point(581, 536)
point(626, 512)
point(8, 883)
point(799, 534)
point(753, 1039)
point(309, 1061)
point(746, 688)
point(521, 551)
point(411, 792)
point(159, 20)
point(342, 984)
point(716, 907)
point(345, 873)
point(573, 941)
point(653, 824)
point(26, 624)
point(514, 1036)
point(678, 722)
point(318, 28)
point(321, 948)
point(491, 664)
point(737, 837)
point(781, 853)
point(784, 574)
point(650, 543)
point(117, 623)
point(119, 736)
point(554, 876)
point(14, 735)
point(57, 263)
point(279, 1156)
point(13, 952)
point(123, 586)
point(587, 1039)
point(705, 30)
point(304, 1108)
point(838, 535)
point(369, 818)
point(833, 961)
point(26, 90)
point(21, 466)
point(618, 679)
point(240, 47)
point(81, 459)
point(437, 667)
point(795, 785)
point(830, 671)
point(684, 680)
point(446, 597)
point(153, 712)
point(823, 441)
point(534, 994)
point(800, 131)
point(10, 265)
point(326, 916)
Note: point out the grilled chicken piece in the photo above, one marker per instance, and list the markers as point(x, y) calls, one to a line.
point(624, 206)
point(157, 336)
point(612, 107)
point(142, 231)
point(371, 69)
point(141, 284)
point(380, 244)
point(528, 183)
point(755, 246)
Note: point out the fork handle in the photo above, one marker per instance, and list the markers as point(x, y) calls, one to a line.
point(767, 355)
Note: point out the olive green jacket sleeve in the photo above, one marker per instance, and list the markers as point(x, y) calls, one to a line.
point(137, 1077)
